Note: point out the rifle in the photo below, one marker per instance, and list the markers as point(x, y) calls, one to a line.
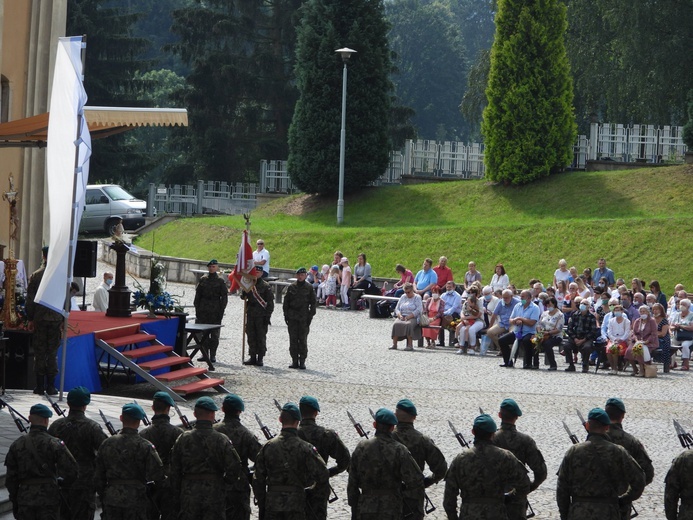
point(359, 428)
point(571, 435)
point(145, 419)
point(4, 404)
point(685, 439)
point(265, 430)
point(279, 407)
point(17, 421)
point(458, 436)
point(54, 405)
point(582, 420)
point(183, 419)
point(108, 424)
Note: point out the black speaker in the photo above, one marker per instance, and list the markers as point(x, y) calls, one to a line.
point(85, 259)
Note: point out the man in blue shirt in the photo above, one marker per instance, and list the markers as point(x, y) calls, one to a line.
point(500, 321)
point(453, 308)
point(425, 279)
point(602, 271)
point(525, 316)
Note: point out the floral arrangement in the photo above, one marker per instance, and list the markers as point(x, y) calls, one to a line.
point(638, 348)
point(453, 325)
point(614, 349)
point(156, 299)
point(537, 339)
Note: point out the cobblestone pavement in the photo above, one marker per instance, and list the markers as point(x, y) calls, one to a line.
point(351, 368)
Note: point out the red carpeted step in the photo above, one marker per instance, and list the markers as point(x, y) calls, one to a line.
point(146, 351)
point(197, 386)
point(185, 373)
point(163, 363)
point(130, 340)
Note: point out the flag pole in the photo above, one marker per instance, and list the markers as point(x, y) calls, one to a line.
point(246, 216)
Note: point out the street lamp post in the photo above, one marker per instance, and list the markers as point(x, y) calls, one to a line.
point(345, 53)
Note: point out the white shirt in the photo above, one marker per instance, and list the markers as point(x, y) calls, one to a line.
point(100, 302)
point(616, 331)
point(259, 256)
point(499, 282)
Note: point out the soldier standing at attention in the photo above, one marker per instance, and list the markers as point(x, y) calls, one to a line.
point(285, 467)
point(83, 437)
point(380, 467)
point(525, 449)
point(482, 475)
point(299, 309)
point(597, 475)
point(162, 434)
point(34, 463)
point(203, 464)
point(677, 486)
point(247, 446)
point(259, 311)
point(616, 410)
point(125, 464)
point(47, 326)
point(424, 451)
point(211, 297)
point(328, 444)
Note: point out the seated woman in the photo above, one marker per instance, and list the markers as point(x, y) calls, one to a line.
point(562, 273)
point(433, 307)
point(683, 331)
point(561, 291)
point(406, 276)
point(583, 290)
point(636, 286)
point(362, 274)
point(657, 291)
point(645, 332)
point(472, 322)
point(408, 310)
point(551, 326)
point(570, 301)
point(587, 276)
point(618, 332)
point(471, 276)
point(660, 318)
point(500, 280)
point(604, 284)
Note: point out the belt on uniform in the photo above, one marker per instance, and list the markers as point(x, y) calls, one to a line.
point(285, 489)
point(482, 500)
point(125, 481)
point(202, 476)
point(35, 481)
point(379, 492)
point(597, 500)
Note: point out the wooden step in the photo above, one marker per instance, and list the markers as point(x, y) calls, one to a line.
point(146, 351)
point(176, 375)
point(130, 340)
point(197, 386)
point(163, 363)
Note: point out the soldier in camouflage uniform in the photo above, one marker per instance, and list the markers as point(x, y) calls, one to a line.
point(47, 326)
point(163, 435)
point(616, 410)
point(328, 444)
point(525, 449)
point(211, 297)
point(83, 437)
point(34, 463)
point(380, 468)
point(597, 475)
point(482, 475)
point(125, 464)
point(247, 446)
point(258, 319)
point(203, 465)
point(424, 451)
point(677, 486)
point(299, 309)
point(285, 467)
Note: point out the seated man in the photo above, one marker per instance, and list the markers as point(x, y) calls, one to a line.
point(443, 272)
point(489, 304)
point(452, 310)
point(500, 320)
point(425, 279)
point(582, 331)
point(525, 316)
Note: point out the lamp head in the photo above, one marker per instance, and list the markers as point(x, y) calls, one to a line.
point(345, 53)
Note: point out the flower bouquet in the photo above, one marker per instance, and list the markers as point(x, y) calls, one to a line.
point(613, 348)
point(537, 340)
point(638, 349)
point(453, 325)
point(156, 299)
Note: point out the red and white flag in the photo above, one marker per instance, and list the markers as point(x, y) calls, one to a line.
point(243, 275)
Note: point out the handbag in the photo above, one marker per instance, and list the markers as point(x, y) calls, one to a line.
point(684, 335)
point(424, 320)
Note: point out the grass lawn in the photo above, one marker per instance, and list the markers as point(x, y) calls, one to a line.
point(639, 220)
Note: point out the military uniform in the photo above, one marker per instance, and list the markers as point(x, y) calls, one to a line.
point(285, 467)
point(162, 434)
point(299, 309)
point(83, 437)
point(34, 462)
point(592, 477)
point(257, 320)
point(211, 297)
point(203, 463)
point(525, 449)
point(677, 486)
point(247, 446)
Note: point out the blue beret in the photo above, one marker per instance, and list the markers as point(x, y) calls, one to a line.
point(616, 403)
point(484, 423)
point(301, 270)
point(407, 406)
point(79, 396)
point(164, 397)
point(385, 416)
point(206, 403)
point(213, 261)
point(292, 410)
point(41, 410)
point(234, 402)
point(315, 268)
point(312, 402)
point(509, 405)
point(134, 411)
point(599, 415)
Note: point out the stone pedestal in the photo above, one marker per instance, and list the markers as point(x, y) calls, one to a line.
point(119, 294)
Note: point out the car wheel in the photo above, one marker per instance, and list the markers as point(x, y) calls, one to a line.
point(110, 226)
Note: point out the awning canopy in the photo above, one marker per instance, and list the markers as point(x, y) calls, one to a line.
point(103, 121)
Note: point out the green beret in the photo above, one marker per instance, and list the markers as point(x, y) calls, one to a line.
point(385, 416)
point(484, 423)
point(133, 411)
point(164, 397)
point(312, 402)
point(509, 405)
point(301, 270)
point(292, 410)
point(234, 402)
point(79, 396)
point(206, 403)
point(41, 410)
point(407, 406)
point(599, 415)
point(213, 261)
point(616, 403)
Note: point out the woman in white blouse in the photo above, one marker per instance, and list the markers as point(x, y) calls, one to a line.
point(683, 322)
point(500, 280)
point(551, 324)
point(617, 332)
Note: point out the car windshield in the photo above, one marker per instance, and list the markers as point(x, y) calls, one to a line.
point(117, 193)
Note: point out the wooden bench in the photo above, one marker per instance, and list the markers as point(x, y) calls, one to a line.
point(374, 299)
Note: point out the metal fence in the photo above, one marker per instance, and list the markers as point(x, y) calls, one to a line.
point(636, 143)
point(206, 197)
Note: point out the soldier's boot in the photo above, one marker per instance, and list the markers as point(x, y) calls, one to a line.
point(294, 364)
point(251, 361)
point(213, 354)
point(40, 384)
point(302, 363)
point(50, 387)
point(259, 361)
